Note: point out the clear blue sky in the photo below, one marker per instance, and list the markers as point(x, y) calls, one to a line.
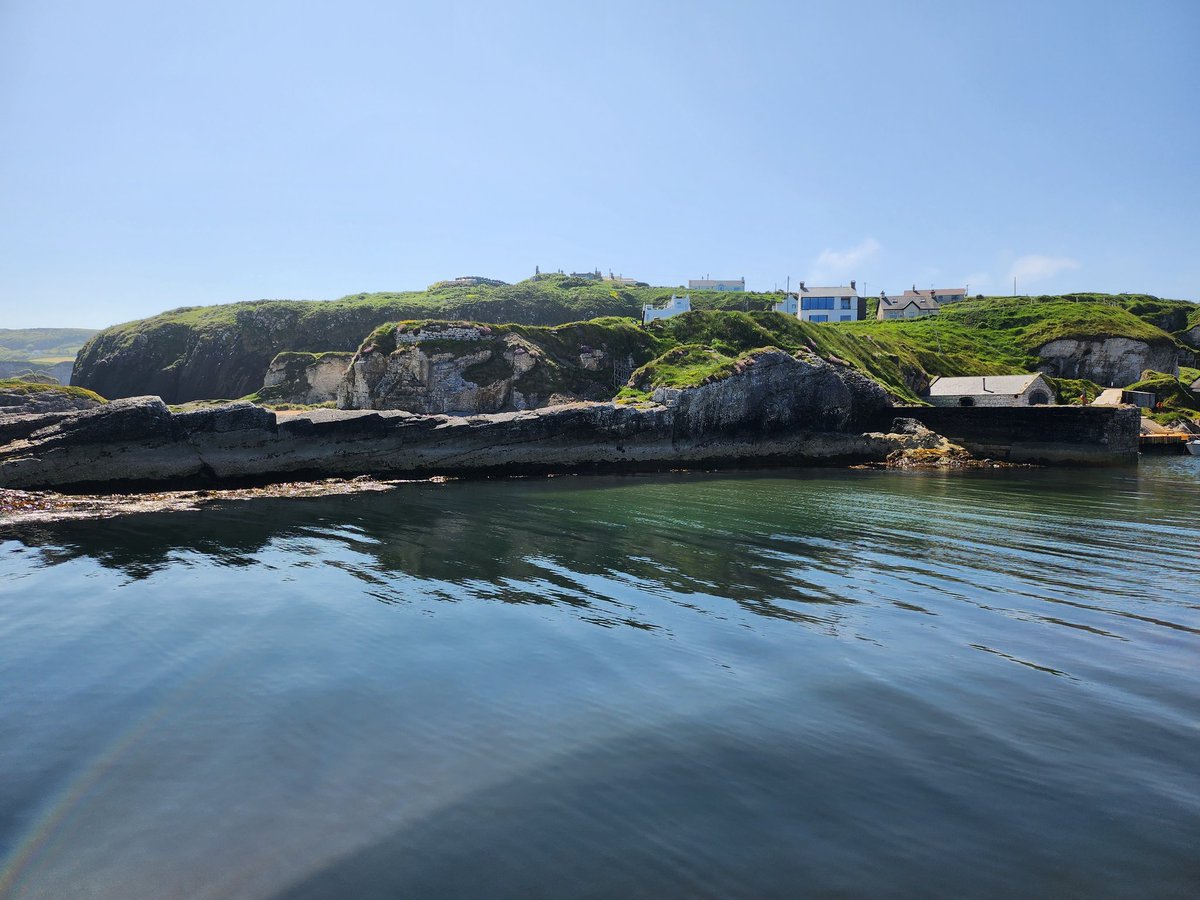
point(158, 154)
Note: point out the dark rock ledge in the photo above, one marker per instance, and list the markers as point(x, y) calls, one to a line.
point(779, 410)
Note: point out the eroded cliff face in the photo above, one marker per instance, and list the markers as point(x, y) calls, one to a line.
point(305, 378)
point(179, 359)
point(1106, 361)
point(469, 368)
point(1191, 337)
point(775, 391)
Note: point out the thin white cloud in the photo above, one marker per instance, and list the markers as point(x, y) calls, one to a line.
point(833, 264)
point(1034, 268)
point(977, 282)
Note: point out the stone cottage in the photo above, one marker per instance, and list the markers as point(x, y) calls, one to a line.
point(992, 390)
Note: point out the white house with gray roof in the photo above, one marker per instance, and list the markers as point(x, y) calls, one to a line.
point(992, 390)
point(824, 304)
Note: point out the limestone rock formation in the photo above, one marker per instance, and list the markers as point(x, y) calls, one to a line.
point(1106, 361)
point(469, 368)
point(305, 378)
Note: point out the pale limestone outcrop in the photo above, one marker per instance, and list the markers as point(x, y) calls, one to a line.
point(1107, 361)
point(446, 368)
point(305, 378)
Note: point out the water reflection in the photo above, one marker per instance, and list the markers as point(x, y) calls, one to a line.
point(798, 547)
point(727, 685)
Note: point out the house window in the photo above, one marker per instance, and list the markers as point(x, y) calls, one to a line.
point(847, 318)
point(845, 303)
point(819, 319)
point(817, 303)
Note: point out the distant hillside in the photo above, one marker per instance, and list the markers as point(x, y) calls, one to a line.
point(48, 345)
point(48, 351)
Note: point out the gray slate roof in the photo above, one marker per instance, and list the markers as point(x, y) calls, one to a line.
point(975, 385)
point(843, 291)
point(919, 301)
point(937, 292)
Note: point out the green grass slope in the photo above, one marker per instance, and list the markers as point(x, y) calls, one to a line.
point(223, 351)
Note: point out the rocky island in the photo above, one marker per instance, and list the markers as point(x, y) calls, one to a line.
point(713, 387)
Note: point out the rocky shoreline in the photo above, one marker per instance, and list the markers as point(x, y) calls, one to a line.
point(40, 507)
point(779, 409)
point(776, 409)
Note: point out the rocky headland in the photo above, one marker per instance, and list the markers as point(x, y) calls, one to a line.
point(778, 409)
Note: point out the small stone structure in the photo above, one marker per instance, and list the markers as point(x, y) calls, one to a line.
point(992, 390)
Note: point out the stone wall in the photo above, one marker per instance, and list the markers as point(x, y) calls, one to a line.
point(1084, 435)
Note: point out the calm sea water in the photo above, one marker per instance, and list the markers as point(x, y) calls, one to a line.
point(829, 683)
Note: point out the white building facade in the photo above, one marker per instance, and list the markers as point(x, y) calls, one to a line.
point(674, 307)
point(824, 304)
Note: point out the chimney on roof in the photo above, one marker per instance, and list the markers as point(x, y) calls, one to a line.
point(852, 287)
point(802, 285)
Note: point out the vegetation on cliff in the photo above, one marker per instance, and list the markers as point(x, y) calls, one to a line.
point(224, 351)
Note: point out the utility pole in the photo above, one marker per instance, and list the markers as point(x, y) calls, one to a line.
point(1014, 285)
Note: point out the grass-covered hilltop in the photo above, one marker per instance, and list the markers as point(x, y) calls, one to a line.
point(224, 351)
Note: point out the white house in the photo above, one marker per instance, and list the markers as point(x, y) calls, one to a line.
point(717, 284)
point(911, 305)
point(824, 304)
point(674, 307)
point(992, 390)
